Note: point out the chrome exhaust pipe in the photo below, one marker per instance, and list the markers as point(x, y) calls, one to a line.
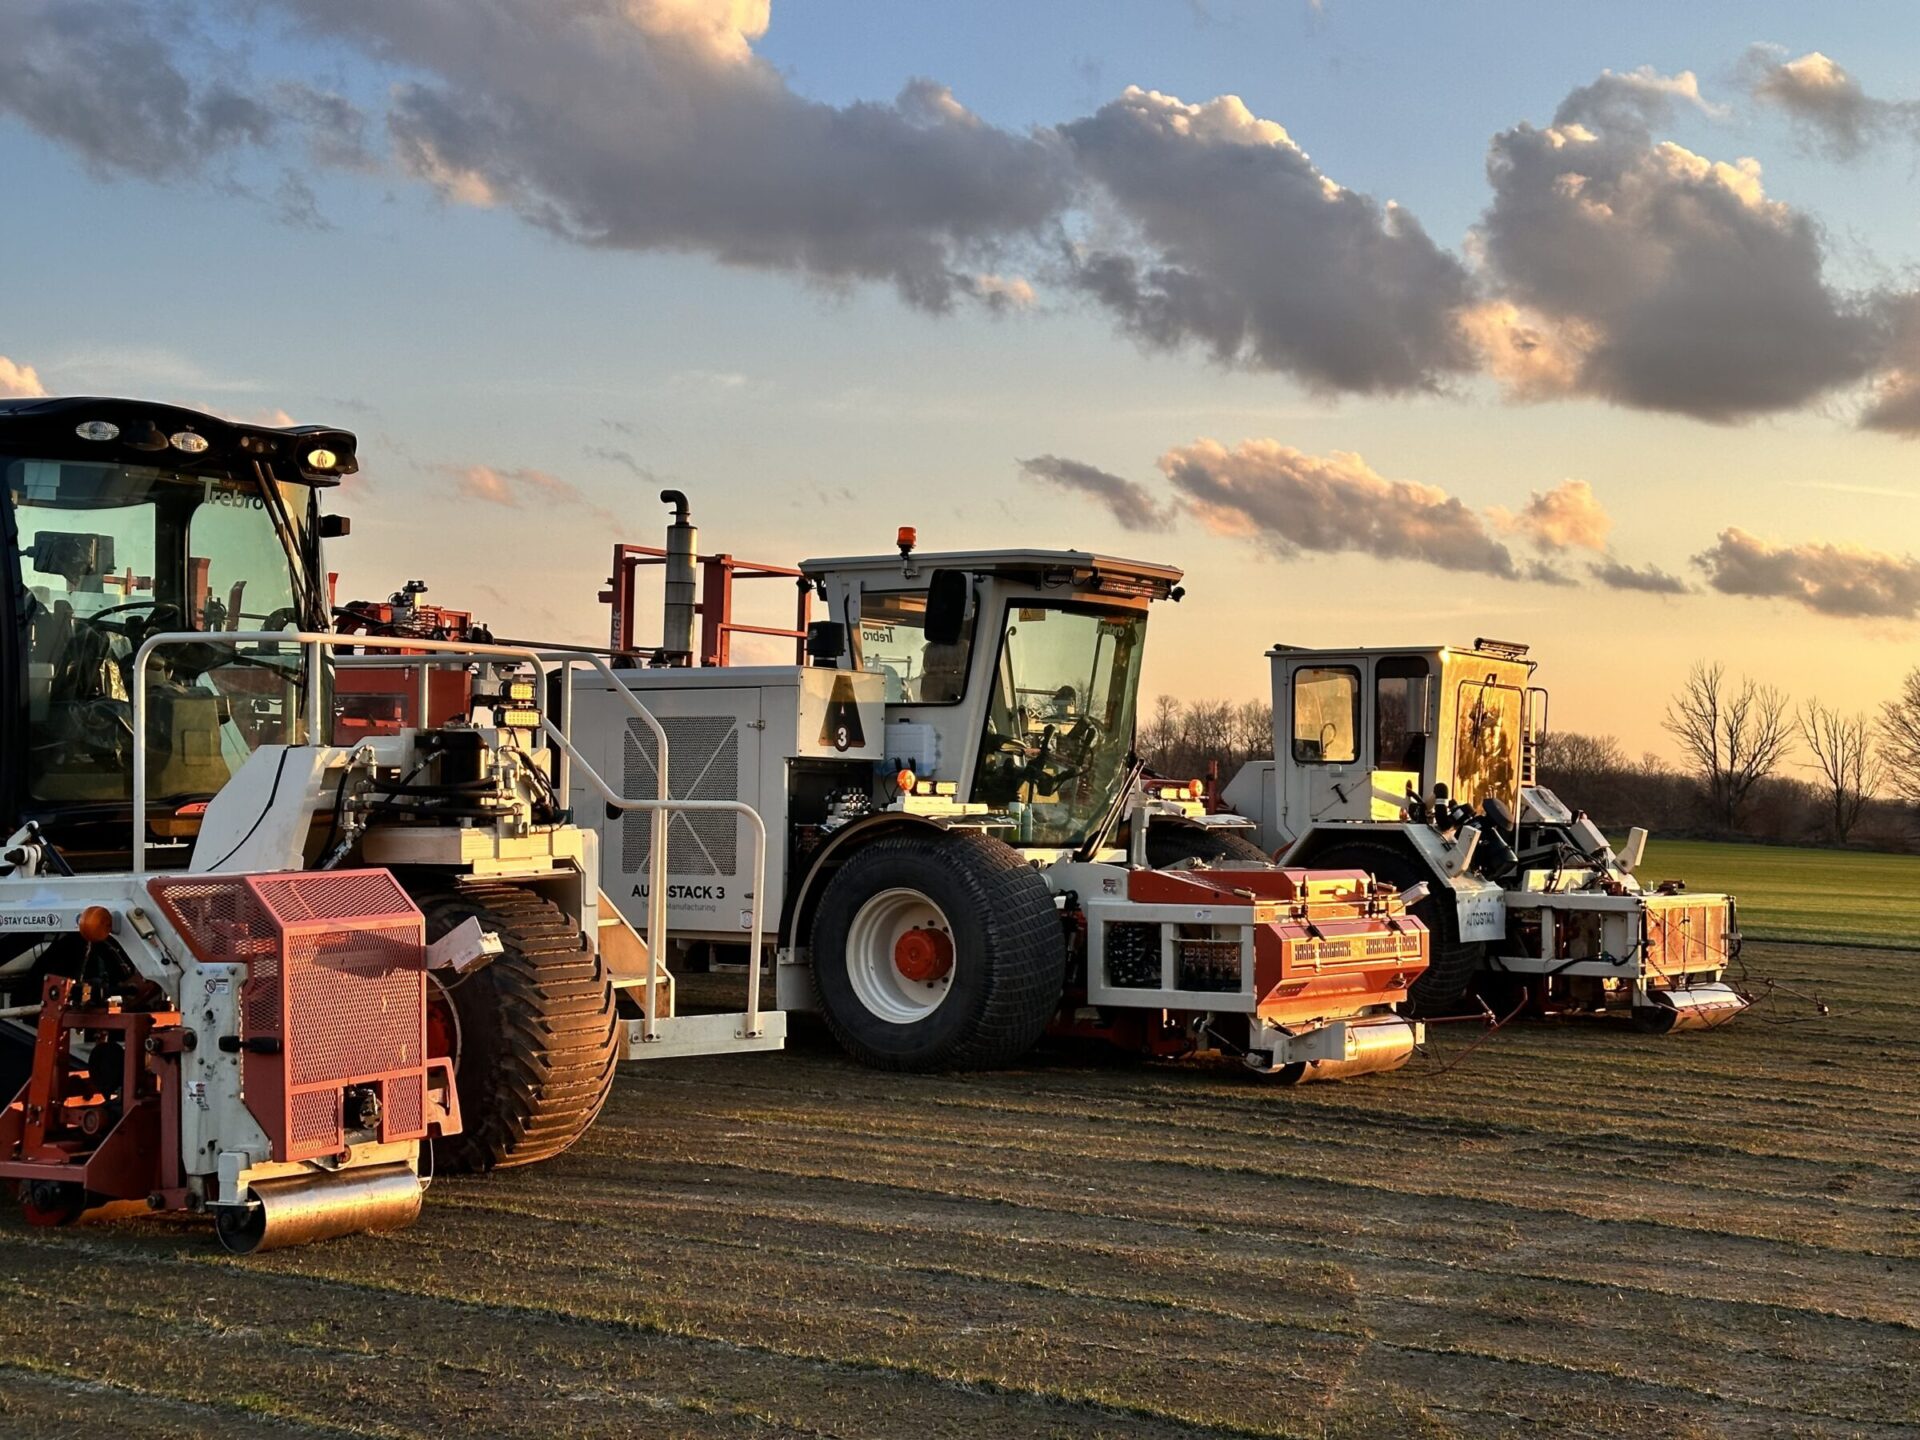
point(682, 546)
point(1705, 1007)
point(299, 1209)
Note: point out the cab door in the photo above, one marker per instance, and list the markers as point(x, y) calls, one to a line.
point(1329, 768)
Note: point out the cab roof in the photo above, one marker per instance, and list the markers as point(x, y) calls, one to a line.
point(1084, 566)
point(47, 427)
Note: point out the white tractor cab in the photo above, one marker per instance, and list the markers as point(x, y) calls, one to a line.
point(960, 856)
point(1418, 766)
point(247, 971)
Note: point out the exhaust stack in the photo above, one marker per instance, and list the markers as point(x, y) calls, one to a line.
point(682, 546)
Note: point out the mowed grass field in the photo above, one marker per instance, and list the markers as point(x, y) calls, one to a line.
point(1572, 1230)
point(1834, 897)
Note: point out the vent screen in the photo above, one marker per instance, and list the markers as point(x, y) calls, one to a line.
point(704, 754)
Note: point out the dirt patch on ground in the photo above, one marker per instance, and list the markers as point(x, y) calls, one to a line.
point(1576, 1230)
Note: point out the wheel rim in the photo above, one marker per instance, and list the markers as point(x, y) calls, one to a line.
point(900, 956)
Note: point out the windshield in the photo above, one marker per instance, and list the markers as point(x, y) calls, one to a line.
point(1060, 722)
point(110, 554)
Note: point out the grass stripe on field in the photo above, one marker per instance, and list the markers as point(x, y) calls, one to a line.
point(1834, 897)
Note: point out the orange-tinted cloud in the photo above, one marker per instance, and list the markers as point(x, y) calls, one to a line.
point(1567, 517)
point(19, 382)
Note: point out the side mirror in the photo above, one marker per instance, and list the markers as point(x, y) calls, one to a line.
point(947, 595)
point(332, 527)
point(826, 641)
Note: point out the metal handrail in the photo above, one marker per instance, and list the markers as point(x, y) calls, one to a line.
point(424, 652)
point(661, 806)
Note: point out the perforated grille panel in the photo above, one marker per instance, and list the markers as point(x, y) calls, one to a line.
point(704, 754)
point(334, 995)
point(356, 995)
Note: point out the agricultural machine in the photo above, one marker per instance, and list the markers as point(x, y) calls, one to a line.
point(962, 858)
point(250, 967)
point(1418, 766)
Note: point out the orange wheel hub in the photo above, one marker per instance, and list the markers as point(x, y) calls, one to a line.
point(923, 955)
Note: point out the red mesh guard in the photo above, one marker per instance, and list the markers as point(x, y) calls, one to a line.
point(336, 973)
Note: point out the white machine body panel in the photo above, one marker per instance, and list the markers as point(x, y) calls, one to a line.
point(733, 733)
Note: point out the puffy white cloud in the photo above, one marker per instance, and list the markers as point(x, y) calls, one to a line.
point(1826, 102)
point(1291, 501)
point(1660, 278)
point(1567, 517)
point(1230, 239)
point(18, 381)
point(652, 125)
point(1832, 579)
point(1127, 500)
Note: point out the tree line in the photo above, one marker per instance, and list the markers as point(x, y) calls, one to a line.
point(1754, 763)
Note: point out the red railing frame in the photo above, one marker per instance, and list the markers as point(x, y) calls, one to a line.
point(715, 606)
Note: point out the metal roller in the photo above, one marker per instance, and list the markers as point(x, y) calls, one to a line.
point(1701, 1008)
point(1379, 1045)
point(301, 1208)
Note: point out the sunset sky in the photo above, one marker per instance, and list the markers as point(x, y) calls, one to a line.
point(1593, 327)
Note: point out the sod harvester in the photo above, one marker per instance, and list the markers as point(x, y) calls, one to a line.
point(1418, 765)
point(255, 954)
point(961, 858)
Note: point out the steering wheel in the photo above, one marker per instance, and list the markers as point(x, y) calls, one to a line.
point(134, 628)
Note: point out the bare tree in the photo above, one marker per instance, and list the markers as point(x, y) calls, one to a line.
point(1846, 760)
point(1734, 735)
point(1162, 731)
point(1900, 738)
point(1252, 730)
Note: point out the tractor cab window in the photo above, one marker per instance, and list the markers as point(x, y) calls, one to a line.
point(1486, 744)
point(111, 554)
point(894, 645)
point(1399, 710)
point(1326, 715)
point(1060, 719)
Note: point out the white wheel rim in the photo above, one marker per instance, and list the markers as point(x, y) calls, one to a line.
point(877, 929)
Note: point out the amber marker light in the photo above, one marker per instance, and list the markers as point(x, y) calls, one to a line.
point(903, 781)
point(95, 923)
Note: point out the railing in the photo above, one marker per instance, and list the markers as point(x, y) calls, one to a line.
point(715, 607)
point(423, 656)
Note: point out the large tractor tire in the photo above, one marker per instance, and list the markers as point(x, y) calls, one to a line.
point(940, 951)
point(1169, 841)
point(535, 1038)
point(1452, 962)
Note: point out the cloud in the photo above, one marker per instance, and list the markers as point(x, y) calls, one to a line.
point(1658, 278)
point(1825, 102)
point(1002, 292)
point(1618, 575)
point(1128, 500)
point(1567, 517)
point(520, 488)
point(99, 77)
point(1291, 502)
point(19, 382)
point(622, 458)
point(652, 125)
point(1895, 403)
point(1229, 239)
point(1832, 579)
